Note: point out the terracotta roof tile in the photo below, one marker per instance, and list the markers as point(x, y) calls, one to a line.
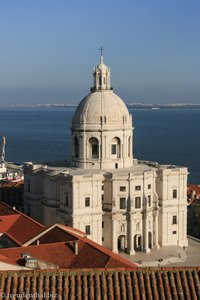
point(5, 259)
point(108, 284)
point(6, 210)
point(16, 225)
point(114, 258)
point(90, 254)
point(7, 221)
point(24, 228)
point(63, 255)
point(57, 253)
point(193, 187)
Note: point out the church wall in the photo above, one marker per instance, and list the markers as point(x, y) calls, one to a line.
point(95, 223)
point(172, 186)
point(51, 198)
point(87, 204)
point(33, 191)
point(130, 221)
point(50, 215)
point(66, 205)
point(87, 186)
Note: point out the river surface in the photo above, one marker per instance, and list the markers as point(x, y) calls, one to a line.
point(168, 136)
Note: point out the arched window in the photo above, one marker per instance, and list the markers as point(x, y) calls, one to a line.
point(115, 148)
point(94, 147)
point(123, 227)
point(76, 147)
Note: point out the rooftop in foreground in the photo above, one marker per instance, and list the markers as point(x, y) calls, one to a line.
point(180, 283)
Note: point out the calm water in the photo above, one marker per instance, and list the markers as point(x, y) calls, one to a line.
point(165, 136)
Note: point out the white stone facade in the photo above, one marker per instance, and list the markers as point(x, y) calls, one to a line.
point(121, 203)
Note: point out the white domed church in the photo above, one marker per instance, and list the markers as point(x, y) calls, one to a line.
point(120, 202)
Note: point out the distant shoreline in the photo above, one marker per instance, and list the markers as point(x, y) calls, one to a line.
point(129, 105)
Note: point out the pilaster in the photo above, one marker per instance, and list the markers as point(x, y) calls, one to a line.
point(114, 234)
point(130, 225)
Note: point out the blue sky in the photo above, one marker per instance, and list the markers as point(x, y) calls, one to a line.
point(48, 49)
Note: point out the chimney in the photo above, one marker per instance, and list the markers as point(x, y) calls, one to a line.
point(25, 255)
point(38, 242)
point(76, 247)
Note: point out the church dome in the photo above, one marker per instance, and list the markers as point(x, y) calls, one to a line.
point(102, 127)
point(101, 106)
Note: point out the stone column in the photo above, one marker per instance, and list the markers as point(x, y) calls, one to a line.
point(145, 231)
point(130, 230)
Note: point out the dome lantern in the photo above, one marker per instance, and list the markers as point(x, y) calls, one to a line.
point(101, 76)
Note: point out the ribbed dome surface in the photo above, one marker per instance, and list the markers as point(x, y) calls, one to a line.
point(101, 104)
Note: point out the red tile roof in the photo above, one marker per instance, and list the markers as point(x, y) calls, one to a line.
point(7, 221)
point(6, 210)
point(12, 184)
point(7, 260)
point(23, 229)
point(193, 187)
point(93, 255)
point(72, 230)
point(16, 225)
point(143, 284)
point(54, 235)
point(90, 255)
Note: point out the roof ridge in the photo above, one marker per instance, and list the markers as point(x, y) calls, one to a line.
point(13, 238)
point(70, 229)
point(37, 235)
point(70, 271)
point(49, 228)
point(22, 214)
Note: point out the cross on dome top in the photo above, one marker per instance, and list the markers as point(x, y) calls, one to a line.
point(101, 49)
point(101, 57)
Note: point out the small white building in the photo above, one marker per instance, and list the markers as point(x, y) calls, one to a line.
point(120, 202)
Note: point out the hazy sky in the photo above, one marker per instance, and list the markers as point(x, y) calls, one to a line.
point(48, 49)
